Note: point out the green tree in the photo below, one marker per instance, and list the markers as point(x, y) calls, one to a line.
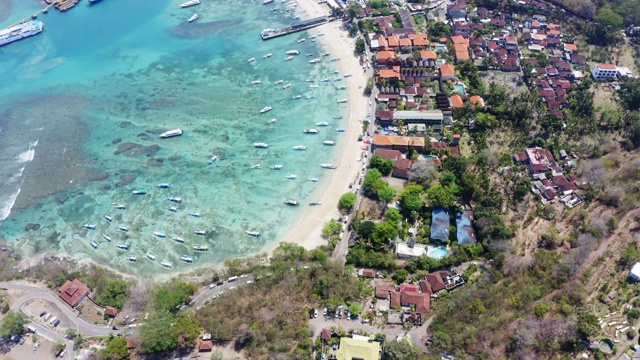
point(370, 179)
point(540, 310)
point(116, 349)
point(347, 201)
point(185, 329)
point(169, 297)
point(630, 93)
point(410, 199)
point(401, 350)
point(400, 275)
point(386, 193)
point(156, 334)
point(609, 19)
point(331, 228)
point(352, 10)
point(355, 309)
point(360, 48)
point(440, 197)
point(115, 294)
point(393, 215)
point(385, 232)
point(12, 324)
point(365, 229)
point(385, 166)
point(588, 324)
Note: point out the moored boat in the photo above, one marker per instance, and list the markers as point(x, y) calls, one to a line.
point(272, 121)
point(315, 203)
point(89, 226)
point(190, 3)
point(194, 214)
point(340, 130)
point(123, 228)
point(171, 133)
point(296, 97)
point(175, 199)
point(329, 142)
point(256, 82)
point(200, 247)
point(299, 147)
point(311, 131)
point(265, 109)
point(342, 101)
point(108, 217)
point(291, 176)
point(123, 246)
point(256, 167)
point(260, 145)
point(325, 80)
point(328, 166)
point(288, 58)
point(314, 86)
point(164, 186)
point(267, 56)
point(302, 40)
point(188, 258)
point(287, 86)
point(322, 123)
point(279, 82)
point(107, 237)
point(160, 234)
point(251, 60)
point(166, 264)
point(178, 239)
point(253, 233)
point(151, 256)
point(312, 179)
point(139, 192)
point(20, 31)
point(172, 208)
point(347, 75)
point(93, 244)
point(314, 61)
point(276, 167)
point(265, 2)
point(200, 232)
point(132, 258)
point(310, 80)
point(193, 18)
point(213, 159)
point(292, 202)
point(119, 206)
point(293, 52)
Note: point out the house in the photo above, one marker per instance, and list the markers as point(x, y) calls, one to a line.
point(465, 233)
point(603, 72)
point(392, 42)
point(393, 73)
point(325, 334)
point(439, 224)
point(539, 159)
point(73, 292)
point(393, 155)
point(410, 249)
point(435, 281)
point(205, 345)
point(457, 11)
point(367, 273)
point(419, 40)
point(447, 72)
point(382, 291)
point(431, 118)
point(511, 43)
point(461, 29)
point(476, 100)
point(421, 301)
point(570, 48)
point(111, 311)
point(456, 101)
point(401, 168)
point(358, 348)
point(634, 274)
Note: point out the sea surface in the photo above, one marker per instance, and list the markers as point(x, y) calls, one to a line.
point(82, 106)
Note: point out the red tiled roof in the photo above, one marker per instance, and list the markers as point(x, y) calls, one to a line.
point(436, 282)
point(422, 301)
point(447, 70)
point(389, 154)
point(607, 66)
point(428, 55)
point(370, 273)
point(456, 101)
point(205, 345)
point(382, 291)
point(325, 334)
point(408, 287)
point(111, 311)
point(395, 300)
point(73, 291)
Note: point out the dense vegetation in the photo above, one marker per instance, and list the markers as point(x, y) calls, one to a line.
point(269, 318)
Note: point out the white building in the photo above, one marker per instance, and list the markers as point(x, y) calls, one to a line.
point(410, 250)
point(634, 274)
point(603, 72)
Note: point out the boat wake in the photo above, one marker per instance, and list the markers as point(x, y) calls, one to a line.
point(7, 202)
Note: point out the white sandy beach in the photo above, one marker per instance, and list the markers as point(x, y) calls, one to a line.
point(307, 230)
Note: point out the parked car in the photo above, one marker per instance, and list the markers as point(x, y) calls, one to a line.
point(22, 340)
point(43, 313)
point(324, 312)
point(212, 286)
point(116, 328)
point(56, 323)
point(47, 317)
point(315, 313)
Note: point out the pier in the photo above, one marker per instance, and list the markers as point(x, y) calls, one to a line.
point(299, 26)
point(62, 5)
point(35, 15)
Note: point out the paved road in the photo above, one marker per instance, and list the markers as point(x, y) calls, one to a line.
point(207, 293)
point(43, 293)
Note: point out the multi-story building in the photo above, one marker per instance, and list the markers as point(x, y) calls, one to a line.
point(604, 72)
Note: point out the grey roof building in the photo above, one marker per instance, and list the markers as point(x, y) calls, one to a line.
point(440, 224)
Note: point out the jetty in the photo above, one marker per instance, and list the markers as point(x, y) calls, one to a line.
point(62, 5)
point(299, 26)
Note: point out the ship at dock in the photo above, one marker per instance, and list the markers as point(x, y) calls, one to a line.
point(299, 26)
point(21, 31)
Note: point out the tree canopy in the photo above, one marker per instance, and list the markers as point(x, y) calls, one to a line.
point(347, 201)
point(440, 197)
point(169, 297)
point(401, 350)
point(12, 324)
point(385, 166)
point(116, 349)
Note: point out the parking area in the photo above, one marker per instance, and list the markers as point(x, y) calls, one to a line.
point(28, 350)
point(47, 314)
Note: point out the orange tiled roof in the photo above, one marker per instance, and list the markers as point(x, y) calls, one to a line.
point(476, 100)
point(384, 55)
point(382, 41)
point(417, 36)
point(607, 66)
point(570, 47)
point(404, 42)
point(462, 55)
point(447, 70)
point(459, 39)
point(393, 41)
point(456, 101)
point(381, 140)
point(399, 140)
point(389, 73)
point(428, 54)
point(421, 42)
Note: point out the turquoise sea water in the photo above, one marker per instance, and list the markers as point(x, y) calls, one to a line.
point(82, 104)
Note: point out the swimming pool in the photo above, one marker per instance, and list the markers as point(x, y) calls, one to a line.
point(437, 252)
point(460, 88)
point(440, 47)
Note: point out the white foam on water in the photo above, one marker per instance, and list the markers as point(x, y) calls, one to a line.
point(7, 204)
point(28, 155)
point(17, 175)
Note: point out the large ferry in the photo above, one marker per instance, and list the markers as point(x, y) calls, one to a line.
point(21, 31)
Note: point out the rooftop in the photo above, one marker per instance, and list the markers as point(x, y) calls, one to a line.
point(352, 349)
point(73, 291)
point(439, 224)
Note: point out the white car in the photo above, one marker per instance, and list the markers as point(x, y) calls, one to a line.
point(315, 313)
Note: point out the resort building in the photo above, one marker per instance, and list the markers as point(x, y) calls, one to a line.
point(439, 225)
point(603, 72)
point(410, 249)
point(73, 292)
point(465, 233)
point(431, 118)
point(358, 348)
point(634, 274)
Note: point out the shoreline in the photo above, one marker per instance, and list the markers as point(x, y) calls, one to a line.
point(306, 231)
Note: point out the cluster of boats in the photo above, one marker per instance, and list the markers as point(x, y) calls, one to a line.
point(191, 3)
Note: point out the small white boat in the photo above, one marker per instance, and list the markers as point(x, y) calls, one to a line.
point(272, 121)
point(322, 123)
point(309, 97)
point(175, 199)
point(213, 159)
point(291, 177)
point(267, 56)
point(139, 192)
point(299, 147)
point(315, 61)
point(187, 258)
point(160, 234)
point(200, 232)
point(132, 259)
point(265, 2)
point(256, 167)
point(256, 82)
point(335, 59)
point(253, 233)
point(276, 167)
point(167, 264)
point(266, 109)
point(314, 86)
point(292, 202)
point(347, 75)
point(194, 214)
point(89, 226)
point(296, 97)
point(193, 18)
point(313, 36)
point(329, 142)
point(93, 244)
point(201, 247)
point(315, 203)
point(310, 80)
point(123, 246)
point(288, 58)
point(312, 179)
point(260, 145)
point(171, 133)
point(321, 34)
point(342, 101)
point(311, 131)
point(172, 208)
point(328, 166)
point(251, 60)
point(178, 239)
point(164, 186)
point(325, 80)
point(302, 40)
point(309, 54)
point(107, 237)
point(338, 79)
point(123, 228)
point(120, 206)
point(108, 217)
point(279, 82)
point(326, 54)
point(340, 130)
point(336, 72)
point(190, 3)
point(287, 86)
point(342, 88)
point(151, 256)
point(293, 52)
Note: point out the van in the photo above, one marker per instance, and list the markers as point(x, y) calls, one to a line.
point(53, 320)
point(212, 286)
point(47, 317)
point(232, 279)
point(31, 329)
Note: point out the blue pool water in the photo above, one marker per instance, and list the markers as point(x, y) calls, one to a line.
point(440, 47)
point(460, 88)
point(437, 252)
